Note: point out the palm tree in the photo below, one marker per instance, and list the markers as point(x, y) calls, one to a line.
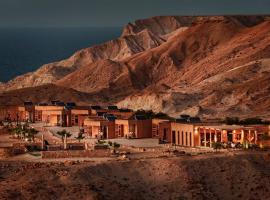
point(16, 131)
point(80, 137)
point(63, 133)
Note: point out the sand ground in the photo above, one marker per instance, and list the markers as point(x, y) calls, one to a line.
point(237, 175)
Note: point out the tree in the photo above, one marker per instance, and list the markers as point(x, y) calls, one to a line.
point(162, 115)
point(63, 133)
point(232, 120)
point(149, 114)
point(80, 137)
point(115, 146)
point(17, 131)
point(31, 133)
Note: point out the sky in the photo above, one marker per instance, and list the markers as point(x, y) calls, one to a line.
point(114, 13)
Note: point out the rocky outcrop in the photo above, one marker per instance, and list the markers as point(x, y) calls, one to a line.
point(117, 50)
point(209, 66)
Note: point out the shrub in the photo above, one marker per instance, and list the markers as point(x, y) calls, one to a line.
point(101, 142)
point(116, 145)
point(110, 143)
point(217, 145)
point(232, 120)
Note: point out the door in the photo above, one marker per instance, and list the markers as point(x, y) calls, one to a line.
point(164, 134)
point(173, 137)
point(230, 136)
point(105, 132)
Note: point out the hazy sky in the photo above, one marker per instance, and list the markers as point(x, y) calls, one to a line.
point(115, 12)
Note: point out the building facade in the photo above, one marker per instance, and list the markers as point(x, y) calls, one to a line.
point(99, 127)
point(195, 135)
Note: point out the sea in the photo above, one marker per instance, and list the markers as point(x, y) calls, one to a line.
point(24, 50)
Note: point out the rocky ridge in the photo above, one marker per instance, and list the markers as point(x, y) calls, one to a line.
point(209, 66)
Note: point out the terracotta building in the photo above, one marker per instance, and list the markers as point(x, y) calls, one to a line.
point(17, 113)
point(187, 134)
point(134, 127)
point(100, 127)
point(53, 115)
point(156, 133)
point(79, 114)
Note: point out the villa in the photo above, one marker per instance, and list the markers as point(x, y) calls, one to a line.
point(17, 113)
point(111, 122)
point(136, 126)
point(199, 134)
point(54, 115)
point(100, 127)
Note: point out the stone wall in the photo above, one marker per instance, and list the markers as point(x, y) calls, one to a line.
point(77, 153)
point(6, 152)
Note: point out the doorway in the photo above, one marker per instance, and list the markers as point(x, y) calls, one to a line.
point(173, 137)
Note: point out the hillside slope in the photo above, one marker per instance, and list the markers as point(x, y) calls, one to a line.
point(209, 66)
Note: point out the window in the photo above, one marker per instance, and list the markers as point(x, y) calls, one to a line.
point(76, 119)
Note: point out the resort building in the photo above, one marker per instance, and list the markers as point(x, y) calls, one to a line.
point(156, 133)
point(79, 114)
point(136, 126)
point(188, 134)
point(17, 113)
point(53, 115)
point(100, 127)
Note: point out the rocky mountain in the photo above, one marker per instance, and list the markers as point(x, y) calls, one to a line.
point(208, 66)
point(117, 49)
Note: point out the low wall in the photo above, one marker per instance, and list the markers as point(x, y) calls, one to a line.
point(6, 152)
point(76, 153)
point(16, 149)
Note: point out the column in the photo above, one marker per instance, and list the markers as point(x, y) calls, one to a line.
point(242, 136)
point(42, 141)
point(204, 131)
point(255, 136)
point(210, 137)
point(249, 136)
point(65, 142)
point(224, 137)
point(215, 139)
point(192, 139)
point(180, 139)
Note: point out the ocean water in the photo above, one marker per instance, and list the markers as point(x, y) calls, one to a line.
point(26, 49)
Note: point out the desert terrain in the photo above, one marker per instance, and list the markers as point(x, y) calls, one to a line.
point(142, 169)
point(211, 67)
point(244, 175)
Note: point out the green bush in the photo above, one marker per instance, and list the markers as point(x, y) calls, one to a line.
point(101, 142)
point(110, 143)
point(217, 145)
point(116, 145)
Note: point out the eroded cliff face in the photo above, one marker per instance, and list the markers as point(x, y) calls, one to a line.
point(117, 49)
point(207, 66)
